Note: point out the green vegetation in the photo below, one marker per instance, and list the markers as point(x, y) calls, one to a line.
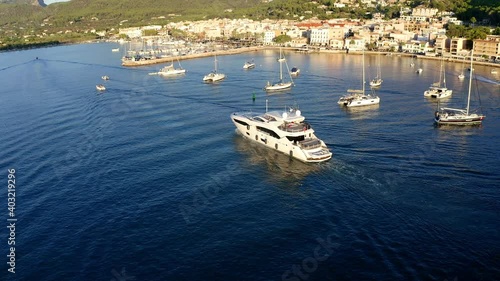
point(16, 46)
point(469, 32)
point(485, 11)
point(36, 24)
point(280, 39)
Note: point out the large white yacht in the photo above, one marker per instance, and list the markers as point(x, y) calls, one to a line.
point(286, 132)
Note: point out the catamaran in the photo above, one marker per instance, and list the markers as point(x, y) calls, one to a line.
point(438, 89)
point(286, 132)
point(458, 116)
point(214, 76)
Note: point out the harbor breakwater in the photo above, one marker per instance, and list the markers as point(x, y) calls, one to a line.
point(132, 63)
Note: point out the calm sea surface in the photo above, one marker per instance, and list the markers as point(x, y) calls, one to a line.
point(149, 181)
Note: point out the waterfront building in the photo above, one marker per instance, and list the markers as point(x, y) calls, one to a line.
point(319, 36)
point(489, 47)
point(457, 46)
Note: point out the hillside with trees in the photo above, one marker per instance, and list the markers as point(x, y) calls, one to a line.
point(69, 21)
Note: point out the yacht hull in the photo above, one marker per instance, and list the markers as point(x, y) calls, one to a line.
point(278, 87)
point(172, 73)
point(214, 78)
point(460, 119)
point(438, 93)
point(355, 102)
point(465, 121)
point(376, 83)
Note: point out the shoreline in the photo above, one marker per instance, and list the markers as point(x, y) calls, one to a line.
point(191, 56)
point(260, 48)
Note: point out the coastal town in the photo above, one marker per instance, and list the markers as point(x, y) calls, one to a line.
point(385, 26)
point(419, 31)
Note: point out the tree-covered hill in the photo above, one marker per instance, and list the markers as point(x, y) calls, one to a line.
point(25, 21)
point(482, 10)
point(111, 12)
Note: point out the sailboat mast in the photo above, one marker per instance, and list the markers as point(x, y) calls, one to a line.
point(379, 71)
point(281, 67)
point(215, 62)
point(470, 80)
point(363, 70)
point(441, 73)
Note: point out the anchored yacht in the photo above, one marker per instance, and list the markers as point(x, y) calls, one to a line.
point(438, 89)
point(286, 132)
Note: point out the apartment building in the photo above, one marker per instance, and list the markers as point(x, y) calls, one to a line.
point(489, 47)
point(457, 46)
point(319, 36)
point(442, 44)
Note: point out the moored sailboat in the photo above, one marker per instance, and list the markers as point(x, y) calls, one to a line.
point(461, 76)
point(214, 76)
point(377, 81)
point(438, 89)
point(359, 97)
point(170, 70)
point(459, 116)
point(281, 84)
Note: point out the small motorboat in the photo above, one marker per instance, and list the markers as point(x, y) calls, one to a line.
point(249, 65)
point(419, 70)
point(100, 87)
point(295, 71)
point(105, 77)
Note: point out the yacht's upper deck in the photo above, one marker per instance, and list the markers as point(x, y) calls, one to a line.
point(288, 117)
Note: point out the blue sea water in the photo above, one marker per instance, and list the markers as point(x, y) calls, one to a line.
point(149, 181)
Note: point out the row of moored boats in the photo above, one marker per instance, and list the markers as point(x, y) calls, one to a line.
point(288, 132)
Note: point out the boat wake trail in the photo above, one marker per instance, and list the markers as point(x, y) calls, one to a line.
point(487, 80)
point(16, 65)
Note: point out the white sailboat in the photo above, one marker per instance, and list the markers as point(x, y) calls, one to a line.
point(359, 97)
point(461, 76)
point(459, 116)
point(281, 84)
point(377, 81)
point(214, 76)
point(438, 89)
point(170, 70)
